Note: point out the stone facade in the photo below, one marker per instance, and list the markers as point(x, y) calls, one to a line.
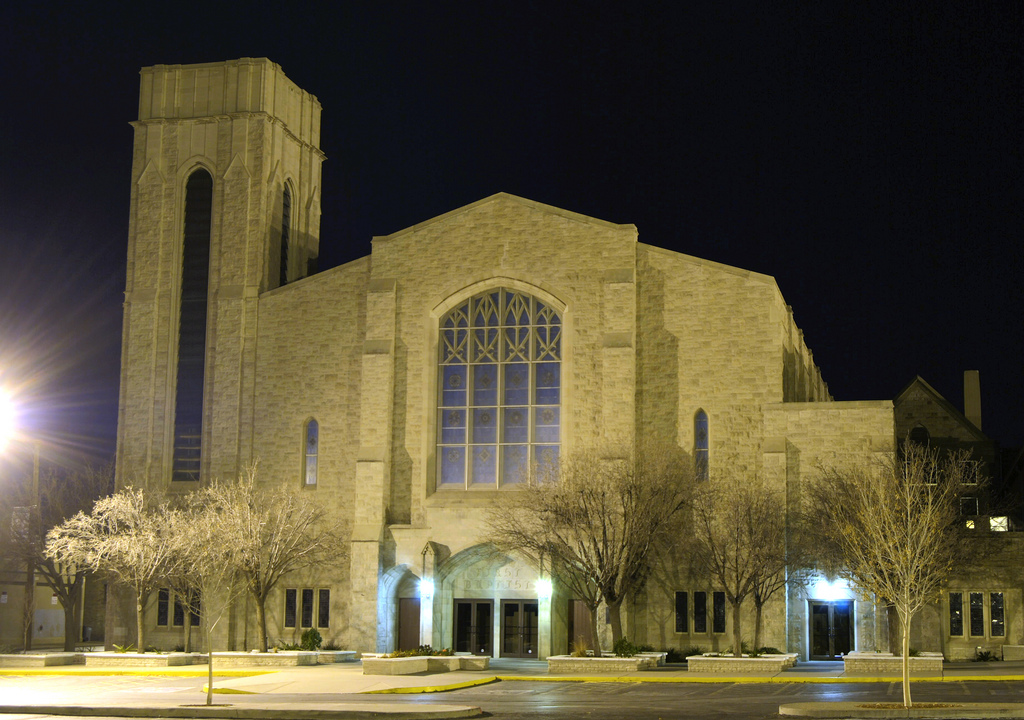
point(649, 338)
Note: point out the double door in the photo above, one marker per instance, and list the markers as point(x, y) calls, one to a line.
point(474, 627)
point(831, 629)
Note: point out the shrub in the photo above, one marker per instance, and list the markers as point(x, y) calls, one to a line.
point(288, 646)
point(331, 645)
point(692, 650)
point(985, 656)
point(130, 647)
point(769, 650)
point(311, 640)
point(913, 652)
point(624, 648)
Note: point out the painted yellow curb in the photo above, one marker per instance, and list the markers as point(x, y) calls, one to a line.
point(228, 691)
point(430, 688)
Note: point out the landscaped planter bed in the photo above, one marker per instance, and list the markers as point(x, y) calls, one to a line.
point(728, 665)
point(889, 664)
point(423, 664)
point(41, 659)
point(564, 664)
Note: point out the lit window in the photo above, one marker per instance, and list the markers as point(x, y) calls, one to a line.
point(977, 617)
point(700, 445)
point(312, 452)
point(999, 523)
point(499, 390)
point(956, 613)
point(996, 614)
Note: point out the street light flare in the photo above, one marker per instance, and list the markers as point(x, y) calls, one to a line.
point(7, 418)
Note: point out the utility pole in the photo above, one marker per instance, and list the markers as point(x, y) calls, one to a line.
point(34, 524)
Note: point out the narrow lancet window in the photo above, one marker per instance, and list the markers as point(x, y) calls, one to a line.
point(312, 452)
point(191, 372)
point(700, 445)
point(286, 231)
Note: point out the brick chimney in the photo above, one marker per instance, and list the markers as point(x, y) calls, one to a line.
point(972, 397)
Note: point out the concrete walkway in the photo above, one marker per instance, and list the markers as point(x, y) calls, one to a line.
point(348, 678)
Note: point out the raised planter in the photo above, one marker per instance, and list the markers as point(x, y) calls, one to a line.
point(326, 657)
point(1013, 652)
point(285, 658)
point(41, 659)
point(883, 663)
point(567, 664)
point(116, 659)
point(728, 665)
point(423, 664)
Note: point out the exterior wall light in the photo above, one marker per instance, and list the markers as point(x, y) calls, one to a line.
point(426, 589)
point(544, 589)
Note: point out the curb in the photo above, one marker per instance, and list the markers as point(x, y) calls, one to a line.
point(417, 690)
point(340, 711)
point(199, 672)
point(854, 709)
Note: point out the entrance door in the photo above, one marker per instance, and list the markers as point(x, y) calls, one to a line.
point(831, 629)
point(519, 628)
point(580, 632)
point(474, 627)
point(408, 623)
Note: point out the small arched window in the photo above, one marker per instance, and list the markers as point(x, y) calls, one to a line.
point(920, 436)
point(700, 445)
point(312, 453)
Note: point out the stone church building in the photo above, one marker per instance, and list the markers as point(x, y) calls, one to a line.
point(410, 390)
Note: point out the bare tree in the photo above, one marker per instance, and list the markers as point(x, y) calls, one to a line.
point(271, 532)
point(125, 536)
point(597, 519)
point(739, 526)
point(894, 528)
point(62, 494)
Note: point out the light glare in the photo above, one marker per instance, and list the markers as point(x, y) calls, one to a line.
point(8, 417)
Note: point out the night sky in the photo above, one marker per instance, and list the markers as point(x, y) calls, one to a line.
point(869, 157)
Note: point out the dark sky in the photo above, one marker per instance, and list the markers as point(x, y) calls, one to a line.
point(869, 156)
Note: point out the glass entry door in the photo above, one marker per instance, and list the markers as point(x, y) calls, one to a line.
point(831, 629)
point(519, 628)
point(474, 627)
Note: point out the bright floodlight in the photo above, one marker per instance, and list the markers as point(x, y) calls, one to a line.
point(7, 419)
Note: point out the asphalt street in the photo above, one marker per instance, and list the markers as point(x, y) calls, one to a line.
point(515, 700)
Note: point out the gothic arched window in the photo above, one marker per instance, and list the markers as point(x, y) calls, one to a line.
point(499, 390)
point(191, 374)
point(700, 445)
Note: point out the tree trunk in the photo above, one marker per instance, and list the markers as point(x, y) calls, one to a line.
point(70, 627)
point(737, 638)
point(615, 615)
point(757, 625)
point(906, 663)
point(29, 607)
point(209, 664)
point(595, 638)
point(139, 624)
point(261, 623)
point(187, 647)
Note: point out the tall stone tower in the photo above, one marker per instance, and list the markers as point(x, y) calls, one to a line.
point(225, 206)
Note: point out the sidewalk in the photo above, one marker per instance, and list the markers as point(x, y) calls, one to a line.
point(347, 678)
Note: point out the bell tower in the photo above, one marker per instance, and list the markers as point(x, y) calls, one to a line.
point(225, 206)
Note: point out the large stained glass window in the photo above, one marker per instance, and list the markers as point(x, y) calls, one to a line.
point(499, 390)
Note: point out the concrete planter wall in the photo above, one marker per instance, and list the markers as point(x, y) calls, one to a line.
point(889, 664)
point(423, 663)
point(116, 659)
point(41, 659)
point(564, 664)
point(326, 657)
point(723, 665)
point(286, 658)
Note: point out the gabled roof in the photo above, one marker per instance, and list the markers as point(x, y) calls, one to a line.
point(949, 407)
point(503, 197)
